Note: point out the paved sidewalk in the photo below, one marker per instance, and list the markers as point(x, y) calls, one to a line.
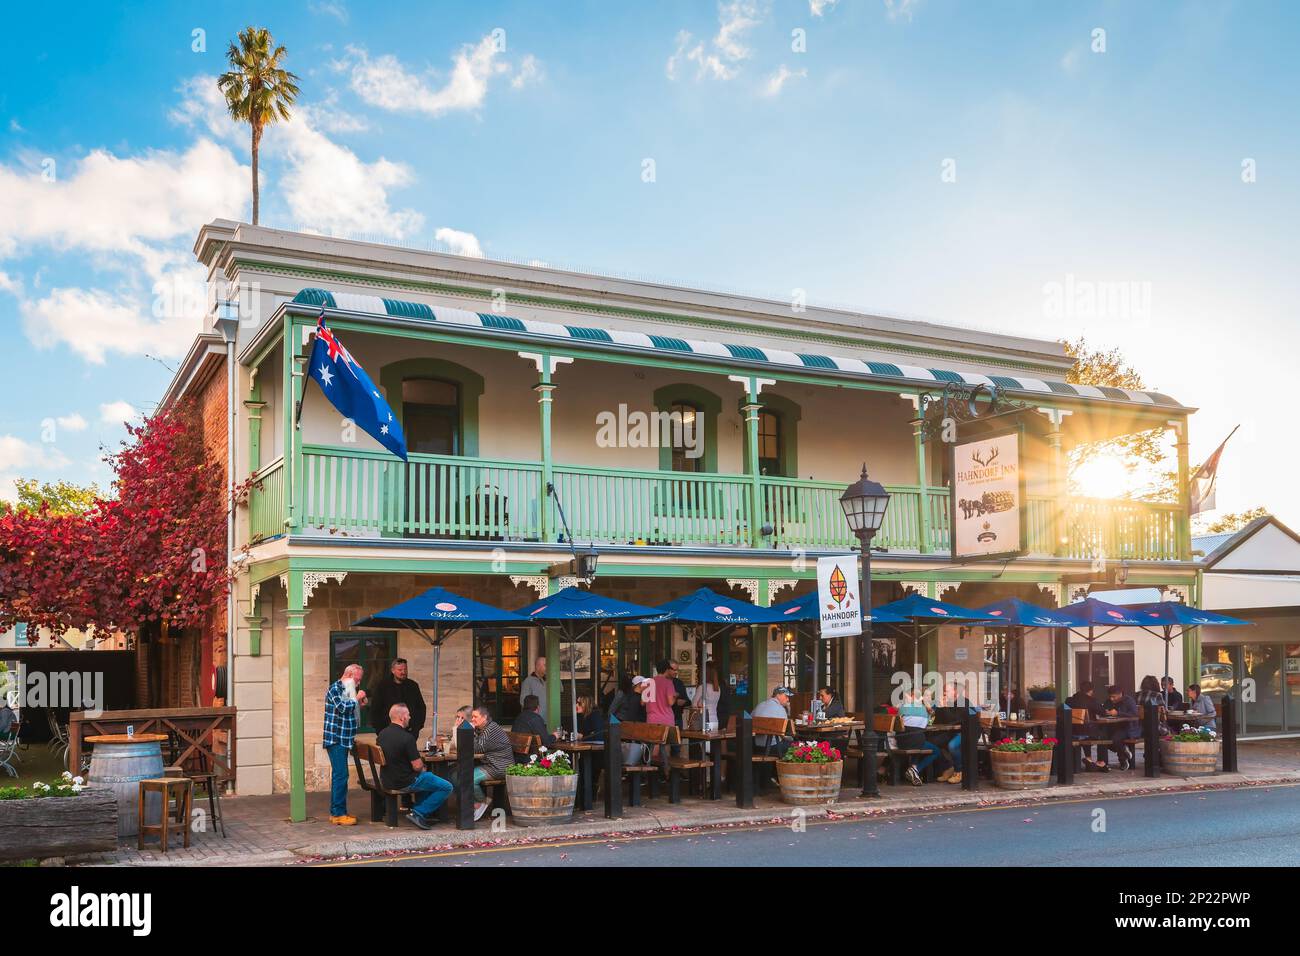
point(259, 832)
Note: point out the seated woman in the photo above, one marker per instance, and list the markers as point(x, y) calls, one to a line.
point(1149, 695)
point(591, 722)
point(915, 716)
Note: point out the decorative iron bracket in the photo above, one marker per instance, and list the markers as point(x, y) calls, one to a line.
point(960, 404)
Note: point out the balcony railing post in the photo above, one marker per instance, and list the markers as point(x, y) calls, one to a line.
point(926, 544)
point(751, 409)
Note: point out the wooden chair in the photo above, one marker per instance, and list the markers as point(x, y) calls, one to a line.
point(881, 725)
point(766, 757)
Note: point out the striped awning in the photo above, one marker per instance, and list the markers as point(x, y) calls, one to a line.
point(902, 374)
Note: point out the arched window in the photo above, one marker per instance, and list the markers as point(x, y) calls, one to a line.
point(686, 436)
point(431, 416)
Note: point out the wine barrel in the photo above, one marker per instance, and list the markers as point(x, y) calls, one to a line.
point(120, 762)
point(809, 784)
point(1021, 771)
point(1189, 758)
point(538, 801)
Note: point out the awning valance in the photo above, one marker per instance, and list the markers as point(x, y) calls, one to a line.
point(909, 375)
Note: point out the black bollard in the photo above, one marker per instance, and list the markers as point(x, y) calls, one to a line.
point(745, 761)
point(1150, 740)
point(614, 769)
point(1228, 731)
point(970, 749)
point(1064, 745)
point(465, 778)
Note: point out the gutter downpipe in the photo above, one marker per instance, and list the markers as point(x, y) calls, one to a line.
point(227, 324)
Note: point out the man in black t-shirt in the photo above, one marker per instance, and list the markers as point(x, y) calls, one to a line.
point(404, 770)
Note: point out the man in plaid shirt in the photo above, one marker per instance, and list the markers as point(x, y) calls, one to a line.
point(342, 701)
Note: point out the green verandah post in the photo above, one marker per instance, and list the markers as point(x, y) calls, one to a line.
point(296, 615)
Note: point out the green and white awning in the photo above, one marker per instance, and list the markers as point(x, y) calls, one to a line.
point(888, 371)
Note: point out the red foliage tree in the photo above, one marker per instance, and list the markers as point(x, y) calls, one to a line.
point(153, 556)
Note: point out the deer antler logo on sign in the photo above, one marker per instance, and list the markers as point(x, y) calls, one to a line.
point(980, 460)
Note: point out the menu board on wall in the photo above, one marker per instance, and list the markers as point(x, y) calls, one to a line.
point(987, 496)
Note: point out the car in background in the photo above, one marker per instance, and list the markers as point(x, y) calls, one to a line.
point(1217, 678)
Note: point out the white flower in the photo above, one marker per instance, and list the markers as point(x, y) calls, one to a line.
point(541, 750)
point(76, 787)
point(532, 758)
point(78, 780)
point(67, 775)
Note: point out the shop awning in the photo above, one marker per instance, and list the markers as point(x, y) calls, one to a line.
point(909, 375)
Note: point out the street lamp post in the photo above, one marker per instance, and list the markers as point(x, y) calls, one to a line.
point(864, 503)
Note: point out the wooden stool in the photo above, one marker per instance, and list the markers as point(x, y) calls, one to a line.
point(183, 790)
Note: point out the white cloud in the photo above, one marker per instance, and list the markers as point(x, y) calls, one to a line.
point(115, 413)
point(461, 243)
point(386, 83)
point(71, 423)
point(1070, 62)
point(121, 205)
point(778, 79)
point(15, 126)
point(325, 185)
point(94, 323)
point(818, 7)
point(9, 284)
point(18, 455)
point(329, 8)
point(529, 72)
point(900, 9)
point(329, 189)
point(719, 59)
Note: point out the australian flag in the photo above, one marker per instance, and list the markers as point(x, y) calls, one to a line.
point(349, 389)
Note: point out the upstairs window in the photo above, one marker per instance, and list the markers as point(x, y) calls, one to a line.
point(769, 443)
point(431, 416)
point(686, 440)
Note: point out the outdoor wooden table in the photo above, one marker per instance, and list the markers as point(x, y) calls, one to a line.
point(715, 772)
point(1027, 724)
point(586, 751)
point(1112, 720)
point(1187, 716)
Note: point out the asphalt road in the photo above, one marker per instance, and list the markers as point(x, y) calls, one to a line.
point(1256, 827)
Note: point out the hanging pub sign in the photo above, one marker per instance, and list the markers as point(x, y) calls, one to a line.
point(988, 496)
point(837, 596)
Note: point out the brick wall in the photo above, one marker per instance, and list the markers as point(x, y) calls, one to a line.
point(211, 644)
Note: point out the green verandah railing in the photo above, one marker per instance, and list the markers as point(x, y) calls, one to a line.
point(347, 491)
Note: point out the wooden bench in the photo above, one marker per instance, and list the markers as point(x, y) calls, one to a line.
point(383, 802)
point(650, 736)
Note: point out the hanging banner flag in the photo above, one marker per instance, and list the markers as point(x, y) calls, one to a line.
point(987, 496)
point(1202, 485)
point(350, 390)
point(837, 596)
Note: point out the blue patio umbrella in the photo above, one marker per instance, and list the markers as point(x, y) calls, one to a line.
point(916, 608)
point(444, 613)
point(1167, 615)
point(1023, 616)
point(568, 609)
point(1092, 613)
point(704, 607)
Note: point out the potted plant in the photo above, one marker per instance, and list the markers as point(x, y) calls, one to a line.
point(542, 791)
point(56, 819)
point(810, 774)
point(1192, 752)
point(1023, 764)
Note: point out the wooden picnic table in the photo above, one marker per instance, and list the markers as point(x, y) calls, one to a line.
point(1188, 715)
point(1029, 723)
point(715, 772)
point(585, 751)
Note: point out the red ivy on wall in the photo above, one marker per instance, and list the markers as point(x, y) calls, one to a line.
point(152, 555)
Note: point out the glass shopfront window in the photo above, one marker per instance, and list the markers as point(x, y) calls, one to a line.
point(1264, 677)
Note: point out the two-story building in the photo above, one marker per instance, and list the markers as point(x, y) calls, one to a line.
point(694, 438)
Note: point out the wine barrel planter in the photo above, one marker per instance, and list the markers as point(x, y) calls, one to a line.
point(1021, 771)
point(1191, 758)
point(1042, 710)
point(59, 826)
point(537, 801)
point(809, 784)
point(120, 762)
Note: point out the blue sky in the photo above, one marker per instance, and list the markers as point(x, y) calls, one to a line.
point(954, 161)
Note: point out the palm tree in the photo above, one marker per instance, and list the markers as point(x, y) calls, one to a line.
point(258, 90)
